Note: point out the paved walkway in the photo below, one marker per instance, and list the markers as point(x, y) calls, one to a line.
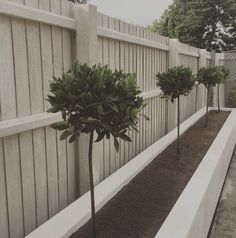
point(224, 225)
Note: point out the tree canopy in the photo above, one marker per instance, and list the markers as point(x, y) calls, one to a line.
point(209, 76)
point(209, 24)
point(175, 82)
point(96, 99)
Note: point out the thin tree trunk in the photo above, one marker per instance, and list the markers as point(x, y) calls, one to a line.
point(92, 185)
point(178, 122)
point(218, 96)
point(207, 106)
point(196, 98)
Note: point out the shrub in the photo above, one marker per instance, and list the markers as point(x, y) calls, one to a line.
point(95, 99)
point(176, 82)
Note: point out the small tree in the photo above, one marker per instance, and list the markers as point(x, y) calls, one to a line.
point(223, 73)
point(174, 83)
point(95, 99)
point(209, 78)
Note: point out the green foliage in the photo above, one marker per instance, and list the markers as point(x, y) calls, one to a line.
point(223, 74)
point(212, 75)
point(208, 24)
point(175, 82)
point(96, 99)
point(232, 98)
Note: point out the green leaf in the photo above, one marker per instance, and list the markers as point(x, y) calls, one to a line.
point(125, 137)
point(116, 144)
point(63, 114)
point(74, 136)
point(54, 109)
point(100, 110)
point(60, 126)
point(100, 136)
point(145, 116)
point(65, 135)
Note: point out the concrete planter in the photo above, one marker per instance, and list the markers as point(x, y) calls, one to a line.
point(192, 214)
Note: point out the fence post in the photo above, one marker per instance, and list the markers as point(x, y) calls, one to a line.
point(174, 53)
point(200, 89)
point(173, 61)
point(202, 58)
point(86, 52)
point(218, 57)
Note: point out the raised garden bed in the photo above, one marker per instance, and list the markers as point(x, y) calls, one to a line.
point(158, 198)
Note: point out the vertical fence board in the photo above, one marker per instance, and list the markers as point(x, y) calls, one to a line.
point(13, 181)
point(41, 162)
point(3, 197)
point(122, 66)
point(23, 109)
point(11, 148)
point(111, 50)
point(106, 142)
point(61, 145)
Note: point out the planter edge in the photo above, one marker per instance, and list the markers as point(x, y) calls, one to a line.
point(193, 212)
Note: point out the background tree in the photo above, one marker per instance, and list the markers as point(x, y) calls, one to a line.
point(174, 83)
point(208, 24)
point(223, 74)
point(95, 99)
point(209, 78)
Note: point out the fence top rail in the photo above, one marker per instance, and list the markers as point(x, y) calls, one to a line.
point(131, 29)
point(33, 14)
point(189, 53)
point(188, 50)
point(22, 124)
point(108, 33)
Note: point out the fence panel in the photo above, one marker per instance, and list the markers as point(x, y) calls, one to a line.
point(189, 57)
point(38, 171)
point(146, 62)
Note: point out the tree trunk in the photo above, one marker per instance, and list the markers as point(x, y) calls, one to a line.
point(178, 122)
point(218, 96)
point(196, 98)
point(207, 107)
point(92, 185)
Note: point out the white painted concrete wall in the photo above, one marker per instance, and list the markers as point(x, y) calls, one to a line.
point(192, 214)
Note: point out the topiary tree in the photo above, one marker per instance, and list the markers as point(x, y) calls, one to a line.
point(209, 78)
point(95, 100)
point(174, 83)
point(223, 73)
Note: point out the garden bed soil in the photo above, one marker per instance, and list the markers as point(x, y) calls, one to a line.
point(141, 207)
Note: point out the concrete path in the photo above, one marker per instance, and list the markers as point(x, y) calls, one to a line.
point(224, 224)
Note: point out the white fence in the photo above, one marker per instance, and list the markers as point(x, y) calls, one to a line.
point(39, 174)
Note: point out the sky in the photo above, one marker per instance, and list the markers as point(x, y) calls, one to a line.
point(141, 12)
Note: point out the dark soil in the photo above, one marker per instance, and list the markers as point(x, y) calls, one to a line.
point(140, 208)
